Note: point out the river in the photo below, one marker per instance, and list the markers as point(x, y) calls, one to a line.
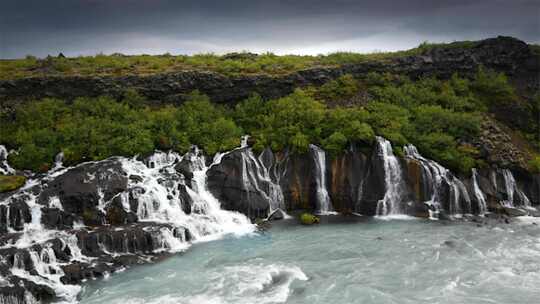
point(344, 260)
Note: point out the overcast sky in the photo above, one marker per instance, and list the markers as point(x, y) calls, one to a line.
point(87, 27)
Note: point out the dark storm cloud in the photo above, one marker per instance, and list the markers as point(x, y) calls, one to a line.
point(300, 26)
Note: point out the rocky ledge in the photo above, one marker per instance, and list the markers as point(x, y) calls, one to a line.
point(360, 179)
point(504, 54)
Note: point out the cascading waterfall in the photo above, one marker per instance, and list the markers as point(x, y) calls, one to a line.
point(324, 204)
point(256, 175)
point(48, 271)
point(512, 190)
point(480, 197)
point(4, 166)
point(161, 195)
point(275, 193)
point(162, 202)
point(435, 175)
point(390, 204)
point(158, 197)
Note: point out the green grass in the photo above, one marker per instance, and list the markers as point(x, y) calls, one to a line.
point(231, 64)
point(11, 182)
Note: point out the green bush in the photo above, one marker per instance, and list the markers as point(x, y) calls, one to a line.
point(341, 88)
point(534, 164)
point(97, 128)
point(493, 88)
point(308, 219)
point(438, 116)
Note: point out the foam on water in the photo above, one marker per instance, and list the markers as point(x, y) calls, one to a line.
point(418, 262)
point(161, 202)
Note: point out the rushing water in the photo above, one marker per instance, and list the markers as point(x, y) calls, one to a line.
point(370, 261)
point(324, 205)
point(389, 205)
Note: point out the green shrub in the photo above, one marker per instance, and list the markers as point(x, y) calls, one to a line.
point(308, 219)
point(341, 88)
point(335, 143)
point(493, 88)
point(534, 164)
point(437, 116)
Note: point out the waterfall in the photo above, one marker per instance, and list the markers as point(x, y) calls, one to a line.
point(162, 202)
point(435, 176)
point(393, 181)
point(256, 175)
point(324, 205)
point(58, 162)
point(480, 197)
point(512, 190)
point(4, 166)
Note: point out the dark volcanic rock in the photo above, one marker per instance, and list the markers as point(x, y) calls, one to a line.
point(54, 218)
point(374, 186)
point(82, 188)
point(505, 54)
point(298, 181)
point(236, 182)
point(277, 215)
point(14, 215)
point(140, 238)
point(190, 163)
point(346, 174)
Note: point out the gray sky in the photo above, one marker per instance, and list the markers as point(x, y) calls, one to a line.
point(87, 27)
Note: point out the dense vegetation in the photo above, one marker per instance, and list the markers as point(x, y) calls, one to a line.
point(442, 118)
point(230, 64)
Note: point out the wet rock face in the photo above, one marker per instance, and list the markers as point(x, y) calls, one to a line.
point(190, 163)
point(504, 54)
point(140, 238)
point(25, 291)
point(515, 188)
point(80, 190)
point(237, 183)
point(373, 188)
point(14, 215)
point(356, 183)
point(346, 176)
point(102, 251)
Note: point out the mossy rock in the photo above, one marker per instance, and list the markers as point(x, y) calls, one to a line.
point(308, 219)
point(11, 182)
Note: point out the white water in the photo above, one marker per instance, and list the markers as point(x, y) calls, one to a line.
point(480, 197)
point(257, 177)
point(512, 189)
point(4, 166)
point(436, 175)
point(324, 204)
point(161, 202)
point(372, 261)
point(393, 181)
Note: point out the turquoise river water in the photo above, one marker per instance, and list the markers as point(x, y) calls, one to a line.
point(353, 261)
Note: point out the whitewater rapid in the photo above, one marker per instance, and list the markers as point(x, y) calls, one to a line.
point(362, 261)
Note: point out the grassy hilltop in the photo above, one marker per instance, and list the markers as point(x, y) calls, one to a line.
point(229, 64)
